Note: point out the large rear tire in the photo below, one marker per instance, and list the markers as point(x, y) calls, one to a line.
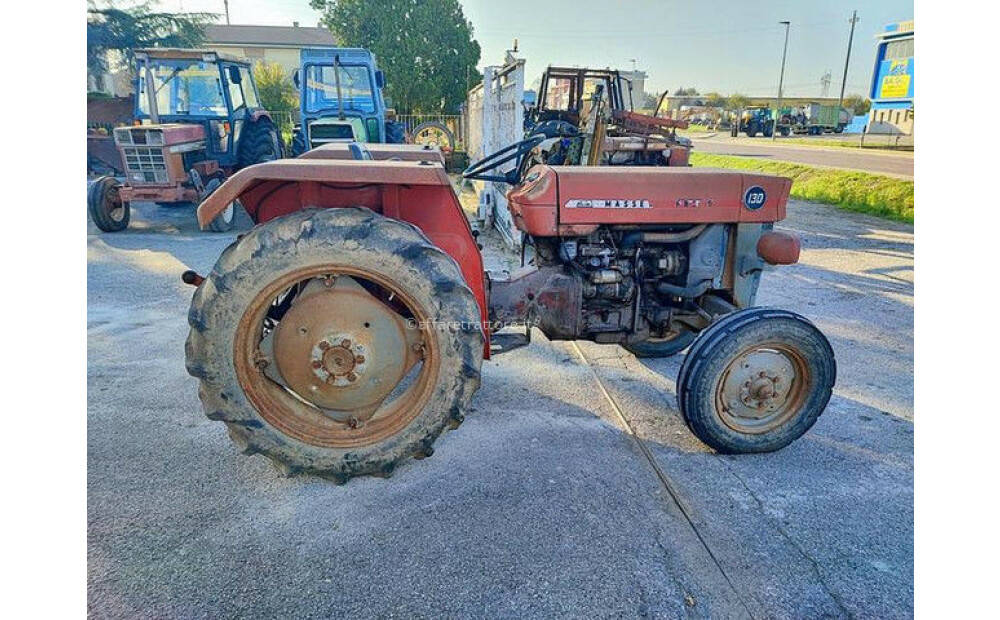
point(756, 380)
point(259, 142)
point(394, 133)
point(308, 318)
point(108, 211)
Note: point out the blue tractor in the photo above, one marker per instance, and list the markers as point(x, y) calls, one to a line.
point(340, 99)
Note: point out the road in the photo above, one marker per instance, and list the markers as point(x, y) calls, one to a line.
point(543, 504)
point(898, 164)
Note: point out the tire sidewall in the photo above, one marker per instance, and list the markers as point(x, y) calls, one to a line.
point(101, 217)
point(697, 387)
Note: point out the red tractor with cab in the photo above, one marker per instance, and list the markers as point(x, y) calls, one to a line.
point(345, 331)
point(199, 119)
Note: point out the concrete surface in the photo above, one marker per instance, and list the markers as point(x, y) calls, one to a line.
point(542, 504)
point(891, 163)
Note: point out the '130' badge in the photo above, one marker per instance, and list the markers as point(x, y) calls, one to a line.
point(754, 198)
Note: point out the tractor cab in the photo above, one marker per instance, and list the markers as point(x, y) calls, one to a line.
point(340, 98)
point(194, 87)
point(565, 94)
point(198, 120)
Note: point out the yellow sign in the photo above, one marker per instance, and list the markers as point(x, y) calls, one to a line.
point(896, 85)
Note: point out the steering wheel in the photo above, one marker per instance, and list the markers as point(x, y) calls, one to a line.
point(515, 151)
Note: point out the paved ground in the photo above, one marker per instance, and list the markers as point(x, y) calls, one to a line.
point(899, 164)
point(542, 504)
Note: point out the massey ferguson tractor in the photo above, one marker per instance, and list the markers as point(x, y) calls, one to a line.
point(201, 120)
point(345, 331)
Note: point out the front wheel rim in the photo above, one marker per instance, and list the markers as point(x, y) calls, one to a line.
point(763, 388)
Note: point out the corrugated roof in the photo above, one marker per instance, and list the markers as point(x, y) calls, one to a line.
point(298, 36)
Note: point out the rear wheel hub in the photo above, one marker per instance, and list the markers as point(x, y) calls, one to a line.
point(341, 349)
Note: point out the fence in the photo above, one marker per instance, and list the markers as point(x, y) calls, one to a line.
point(496, 120)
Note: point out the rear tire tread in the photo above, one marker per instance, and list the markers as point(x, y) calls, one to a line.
point(212, 363)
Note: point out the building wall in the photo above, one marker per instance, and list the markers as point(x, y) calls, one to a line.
point(287, 57)
point(892, 81)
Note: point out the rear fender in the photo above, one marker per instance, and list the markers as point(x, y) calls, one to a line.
point(418, 192)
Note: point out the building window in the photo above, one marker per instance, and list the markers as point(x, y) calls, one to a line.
point(898, 50)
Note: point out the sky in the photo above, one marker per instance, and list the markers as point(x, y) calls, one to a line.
point(725, 46)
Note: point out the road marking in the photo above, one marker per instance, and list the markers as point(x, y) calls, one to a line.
point(665, 481)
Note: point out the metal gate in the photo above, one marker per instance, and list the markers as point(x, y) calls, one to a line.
point(495, 120)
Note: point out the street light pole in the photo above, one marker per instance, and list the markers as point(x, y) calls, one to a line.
point(843, 84)
point(226, 3)
point(781, 82)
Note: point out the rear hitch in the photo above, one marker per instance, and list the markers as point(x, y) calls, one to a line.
point(191, 277)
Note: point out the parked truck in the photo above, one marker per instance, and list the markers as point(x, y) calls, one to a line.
point(813, 119)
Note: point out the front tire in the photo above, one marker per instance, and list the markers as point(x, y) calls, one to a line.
point(299, 145)
point(756, 381)
point(373, 293)
point(224, 221)
point(108, 211)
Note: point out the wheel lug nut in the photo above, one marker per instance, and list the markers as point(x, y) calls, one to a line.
point(317, 364)
point(346, 344)
point(360, 359)
point(324, 345)
point(352, 377)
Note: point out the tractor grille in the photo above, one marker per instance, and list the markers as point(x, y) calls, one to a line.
point(320, 134)
point(145, 164)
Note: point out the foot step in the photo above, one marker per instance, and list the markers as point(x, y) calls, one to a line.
point(508, 341)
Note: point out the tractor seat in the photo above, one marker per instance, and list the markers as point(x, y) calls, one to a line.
point(359, 151)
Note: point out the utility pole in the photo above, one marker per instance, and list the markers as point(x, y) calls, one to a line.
point(781, 82)
point(843, 83)
point(226, 2)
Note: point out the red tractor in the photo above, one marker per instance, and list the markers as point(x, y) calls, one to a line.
point(201, 119)
point(345, 331)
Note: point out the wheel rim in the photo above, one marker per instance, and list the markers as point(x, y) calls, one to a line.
point(227, 213)
point(433, 136)
point(351, 362)
point(762, 388)
point(113, 204)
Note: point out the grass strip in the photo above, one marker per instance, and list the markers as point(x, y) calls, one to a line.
point(860, 192)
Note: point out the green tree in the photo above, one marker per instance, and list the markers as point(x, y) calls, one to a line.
point(715, 100)
point(277, 93)
point(686, 92)
point(125, 30)
point(425, 47)
point(858, 104)
point(737, 102)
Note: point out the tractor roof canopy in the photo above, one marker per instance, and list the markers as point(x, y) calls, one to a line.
point(175, 53)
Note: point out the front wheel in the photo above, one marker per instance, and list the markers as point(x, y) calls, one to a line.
point(105, 205)
point(223, 222)
point(336, 342)
point(756, 381)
